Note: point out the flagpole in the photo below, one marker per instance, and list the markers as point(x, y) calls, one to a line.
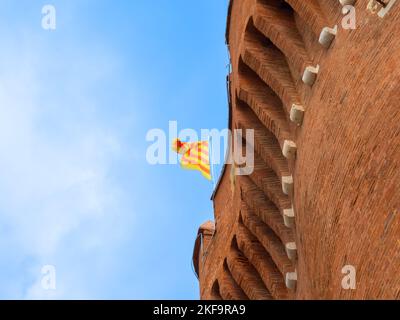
point(211, 161)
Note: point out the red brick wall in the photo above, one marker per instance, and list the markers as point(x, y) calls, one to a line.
point(346, 170)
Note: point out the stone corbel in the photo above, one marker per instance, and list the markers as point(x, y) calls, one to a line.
point(381, 7)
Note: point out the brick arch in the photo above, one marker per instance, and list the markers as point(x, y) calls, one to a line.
point(324, 191)
point(215, 291)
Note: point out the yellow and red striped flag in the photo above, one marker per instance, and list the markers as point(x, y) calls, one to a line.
point(195, 156)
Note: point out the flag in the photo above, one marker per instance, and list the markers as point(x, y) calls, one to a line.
point(195, 156)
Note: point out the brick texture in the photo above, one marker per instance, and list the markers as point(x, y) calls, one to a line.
point(346, 194)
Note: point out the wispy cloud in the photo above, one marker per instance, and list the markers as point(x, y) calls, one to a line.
point(59, 203)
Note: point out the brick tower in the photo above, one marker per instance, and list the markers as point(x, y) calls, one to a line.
point(324, 196)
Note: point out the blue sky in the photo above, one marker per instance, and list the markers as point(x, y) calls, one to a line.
point(76, 104)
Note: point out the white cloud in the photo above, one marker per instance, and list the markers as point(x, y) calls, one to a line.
point(58, 199)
